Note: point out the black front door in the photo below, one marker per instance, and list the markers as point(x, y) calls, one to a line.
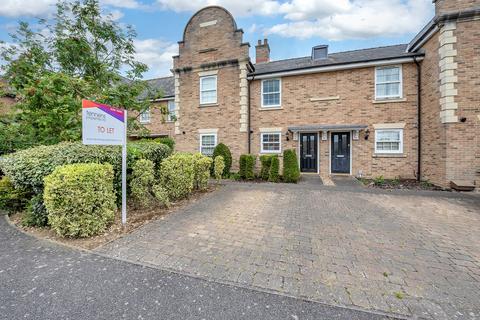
point(340, 152)
point(308, 152)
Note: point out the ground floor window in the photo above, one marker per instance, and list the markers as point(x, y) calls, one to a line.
point(270, 142)
point(208, 141)
point(389, 141)
point(145, 116)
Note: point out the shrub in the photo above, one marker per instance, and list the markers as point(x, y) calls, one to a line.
point(247, 165)
point(79, 198)
point(36, 214)
point(161, 195)
point(12, 199)
point(218, 167)
point(222, 150)
point(379, 181)
point(291, 173)
point(143, 178)
point(265, 161)
point(274, 175)
point(177, 175)
point(167, 141)
point(202, 166)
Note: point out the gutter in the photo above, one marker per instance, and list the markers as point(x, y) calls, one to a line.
point(419, 119)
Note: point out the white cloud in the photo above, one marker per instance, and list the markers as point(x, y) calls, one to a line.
point(358, 19)
point(16, 8)
point(157, 54)
point(307, 9)
point(127, 4)
point(236, 7)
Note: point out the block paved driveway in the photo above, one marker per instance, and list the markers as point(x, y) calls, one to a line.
point(407, 253)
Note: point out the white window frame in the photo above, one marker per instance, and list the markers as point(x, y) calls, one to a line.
point(279, 142)
point(279, 93)
point(400, 82)
point(207, 134)
point(145, 116)
point(216, 90)
point(400, 151)
point(170, 113)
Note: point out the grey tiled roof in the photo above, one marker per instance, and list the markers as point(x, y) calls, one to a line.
point(165, 84)
point(339, 58)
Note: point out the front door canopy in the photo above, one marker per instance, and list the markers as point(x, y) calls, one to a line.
point(327, 127)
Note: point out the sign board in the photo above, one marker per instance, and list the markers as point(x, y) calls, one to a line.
point(106, 125)
point(102, 124)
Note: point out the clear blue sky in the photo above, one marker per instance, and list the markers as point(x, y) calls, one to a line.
point(292, 26)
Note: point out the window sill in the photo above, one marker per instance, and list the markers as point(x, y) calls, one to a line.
point(206, 105)
point(386, 100)
point(270, 108)
point(389, 155)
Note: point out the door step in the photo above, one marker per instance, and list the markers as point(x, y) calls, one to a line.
point(462, 185)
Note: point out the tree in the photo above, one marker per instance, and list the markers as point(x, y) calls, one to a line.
point(78, 54)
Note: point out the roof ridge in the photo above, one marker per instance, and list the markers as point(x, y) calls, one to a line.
point(158, 78)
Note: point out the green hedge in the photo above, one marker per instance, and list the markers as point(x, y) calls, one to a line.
point(247, 166)
point(202, 165)
point(222, 150)
point(265, 161)
point(80, 199)
point(142, 181)
point(12, 199)
point(273, 174)
point(291, 173)
point(177, 175)
point(167, 141)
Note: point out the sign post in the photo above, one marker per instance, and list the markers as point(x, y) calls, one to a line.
point(105, 125)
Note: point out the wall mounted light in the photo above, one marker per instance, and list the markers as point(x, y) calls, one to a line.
point(287, 136)
point(367, 133)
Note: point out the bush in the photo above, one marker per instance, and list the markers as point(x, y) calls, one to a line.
point(247, 165)
point(79, 198)
point(222, 150)
point(12, 199)
point(218, 167)
point(36, 214)
point(202, 166)
point(167, 141)
point(291, 173)
point(265, 161)
point(143, 178)
point(161, 195)
point(274, 175)
point(177, 175)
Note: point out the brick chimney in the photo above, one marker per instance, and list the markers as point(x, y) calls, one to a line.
point(262, 51)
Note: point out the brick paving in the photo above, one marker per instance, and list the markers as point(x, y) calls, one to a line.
point(398, 252)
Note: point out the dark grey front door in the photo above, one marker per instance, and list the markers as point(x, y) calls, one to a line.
point(308, 152)
point(340, 152)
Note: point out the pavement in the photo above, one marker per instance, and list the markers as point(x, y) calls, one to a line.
point(43, 280)
point(413, 253)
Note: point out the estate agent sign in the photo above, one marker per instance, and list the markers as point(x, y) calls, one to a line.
point(106, 125)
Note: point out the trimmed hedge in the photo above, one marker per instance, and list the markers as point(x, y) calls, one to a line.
point(143, 178)
point(218, 167)
point(291, 173)
point(167, 141)
point(12, 199)
point(222, 150)
point(265, 161)
point(247, 166)
point(273, 175)
point(202, 166)
point(79, 198)
point(177, 175)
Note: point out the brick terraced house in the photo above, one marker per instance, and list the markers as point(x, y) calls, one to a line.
point(409, 110)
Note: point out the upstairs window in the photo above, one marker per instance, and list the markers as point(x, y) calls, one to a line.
point(208, 142)
point(271, 93)
point(389, 141)
point(388, 82)
point(271, 142)
point(208, 90)
point(171, 110)
point(145, 116)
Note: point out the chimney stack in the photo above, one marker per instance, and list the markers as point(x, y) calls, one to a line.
point(262, 51)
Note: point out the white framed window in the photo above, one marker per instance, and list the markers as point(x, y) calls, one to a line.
point(208, 90)
point(145, 116)
point(389, 141)
point(271, 93)
point(388, 82)
point(271, 142)
point(171, 110)
point(208, 142)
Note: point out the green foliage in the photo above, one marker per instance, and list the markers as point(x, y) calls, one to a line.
point(379, 181)
point(202, 166)
point(218, 167)
point(168, 141)
point(143, 178)
point(36, 214)
point(77, 53)
point(177, 175)
point(247, 166)
point(161, 195)
point(12, 199)
point(147, 150)
point(222, 150)
point(235, 176)
point(265, 160)
point(273, 175)
point(291, 172)
point(79, 198)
